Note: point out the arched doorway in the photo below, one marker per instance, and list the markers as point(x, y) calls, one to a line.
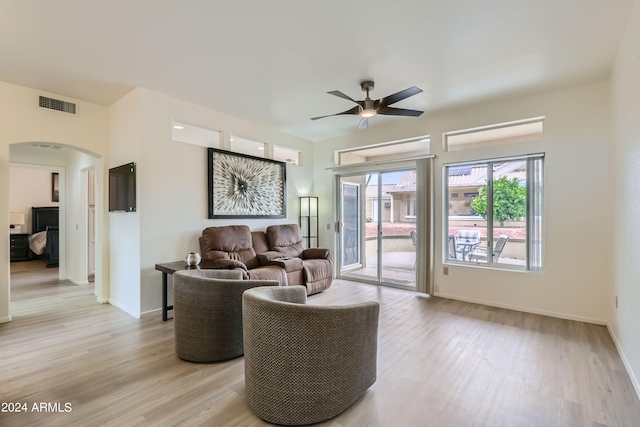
point(72, 164)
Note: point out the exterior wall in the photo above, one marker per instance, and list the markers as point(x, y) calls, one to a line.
point(386, 210)
point(400, 207)
point(461, 205)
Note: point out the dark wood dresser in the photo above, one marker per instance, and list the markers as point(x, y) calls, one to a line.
point(19, 247)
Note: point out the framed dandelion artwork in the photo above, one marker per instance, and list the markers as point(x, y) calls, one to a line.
point(243, 186)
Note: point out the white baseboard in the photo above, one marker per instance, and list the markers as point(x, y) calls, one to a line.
point(148, 313)
point(525, 309)
point(123, 308)
point(625, 361)
point(102, 300)
point(78, 282)
point(5, 319)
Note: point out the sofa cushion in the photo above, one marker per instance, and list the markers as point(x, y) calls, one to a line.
point(285, 238)
point(269, 272)
point(229, 242)
point(259, 240)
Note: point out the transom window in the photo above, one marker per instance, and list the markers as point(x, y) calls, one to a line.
point(499, 220)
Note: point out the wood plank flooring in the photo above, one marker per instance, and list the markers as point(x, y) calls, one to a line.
point(440, 363)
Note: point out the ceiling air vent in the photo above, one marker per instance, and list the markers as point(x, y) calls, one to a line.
point(58, 105)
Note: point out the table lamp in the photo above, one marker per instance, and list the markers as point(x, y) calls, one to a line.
point(17, 221)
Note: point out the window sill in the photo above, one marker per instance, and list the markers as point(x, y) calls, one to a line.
point(494, 267)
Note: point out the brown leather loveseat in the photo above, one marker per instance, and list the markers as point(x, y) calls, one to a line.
point(277, 254)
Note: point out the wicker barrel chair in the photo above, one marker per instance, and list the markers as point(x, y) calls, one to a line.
point(207, 313)
point(304, 363)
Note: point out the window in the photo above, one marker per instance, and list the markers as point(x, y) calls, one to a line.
point(499, 220)
point(500, 133)
point(183, 132)
point(287, 155)
point(387, 151)
point(247, 146)
point(411, 205)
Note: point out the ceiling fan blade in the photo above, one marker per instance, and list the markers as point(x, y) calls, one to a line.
point(342, 95)
point(364, 123)
point(391, 111)
point(398, 96)
point(354, 110)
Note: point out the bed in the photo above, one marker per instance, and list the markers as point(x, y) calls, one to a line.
point(44, 239)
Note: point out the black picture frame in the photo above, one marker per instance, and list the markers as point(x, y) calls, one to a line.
point(244, 186)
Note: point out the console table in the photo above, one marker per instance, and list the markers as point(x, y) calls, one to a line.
point(170, 268)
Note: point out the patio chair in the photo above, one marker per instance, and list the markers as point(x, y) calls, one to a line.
point(466, 242)
point(480, 254)
point(469, 235)
point(452, 247)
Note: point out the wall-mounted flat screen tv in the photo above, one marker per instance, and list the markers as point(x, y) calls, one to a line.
point(122, 188)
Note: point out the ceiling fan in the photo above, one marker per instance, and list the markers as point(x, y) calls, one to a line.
point(369, 108)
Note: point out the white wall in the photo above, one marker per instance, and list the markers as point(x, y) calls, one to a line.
point(76, 215)
point(29, 188)
point(124, 237)
point(23, 122)
point(624, 321)
point(577, 212)
point(172, 189)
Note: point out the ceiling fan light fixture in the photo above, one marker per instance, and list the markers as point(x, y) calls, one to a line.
point(368, 113)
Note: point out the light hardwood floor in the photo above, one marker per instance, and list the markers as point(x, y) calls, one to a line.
point(440, 363)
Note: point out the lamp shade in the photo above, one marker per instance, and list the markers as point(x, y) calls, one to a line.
point(309, 206)
point(17, 218)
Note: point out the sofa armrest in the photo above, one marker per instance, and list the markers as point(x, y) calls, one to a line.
point(230, 263)
point(289, 264)
point(316, 253)
point(265, 257)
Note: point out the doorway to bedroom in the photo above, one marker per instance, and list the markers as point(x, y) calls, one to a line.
point(34, 205)
point(49, 191)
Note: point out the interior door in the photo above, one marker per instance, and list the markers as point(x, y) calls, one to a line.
point(91, 216)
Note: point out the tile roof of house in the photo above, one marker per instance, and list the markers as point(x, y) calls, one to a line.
point(462, 176)
point(372, 190)
point(478, 174)
point(406, 183)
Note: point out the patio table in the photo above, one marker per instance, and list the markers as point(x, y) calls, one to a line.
point(467, 247)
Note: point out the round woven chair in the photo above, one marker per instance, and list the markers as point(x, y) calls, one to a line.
point(207, 313)
point(304, 363)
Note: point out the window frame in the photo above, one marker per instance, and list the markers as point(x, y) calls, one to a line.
point(534, 204)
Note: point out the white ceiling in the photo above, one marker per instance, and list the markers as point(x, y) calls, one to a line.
point(272, 62)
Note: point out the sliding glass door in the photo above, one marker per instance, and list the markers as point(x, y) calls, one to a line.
point(378, 227)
